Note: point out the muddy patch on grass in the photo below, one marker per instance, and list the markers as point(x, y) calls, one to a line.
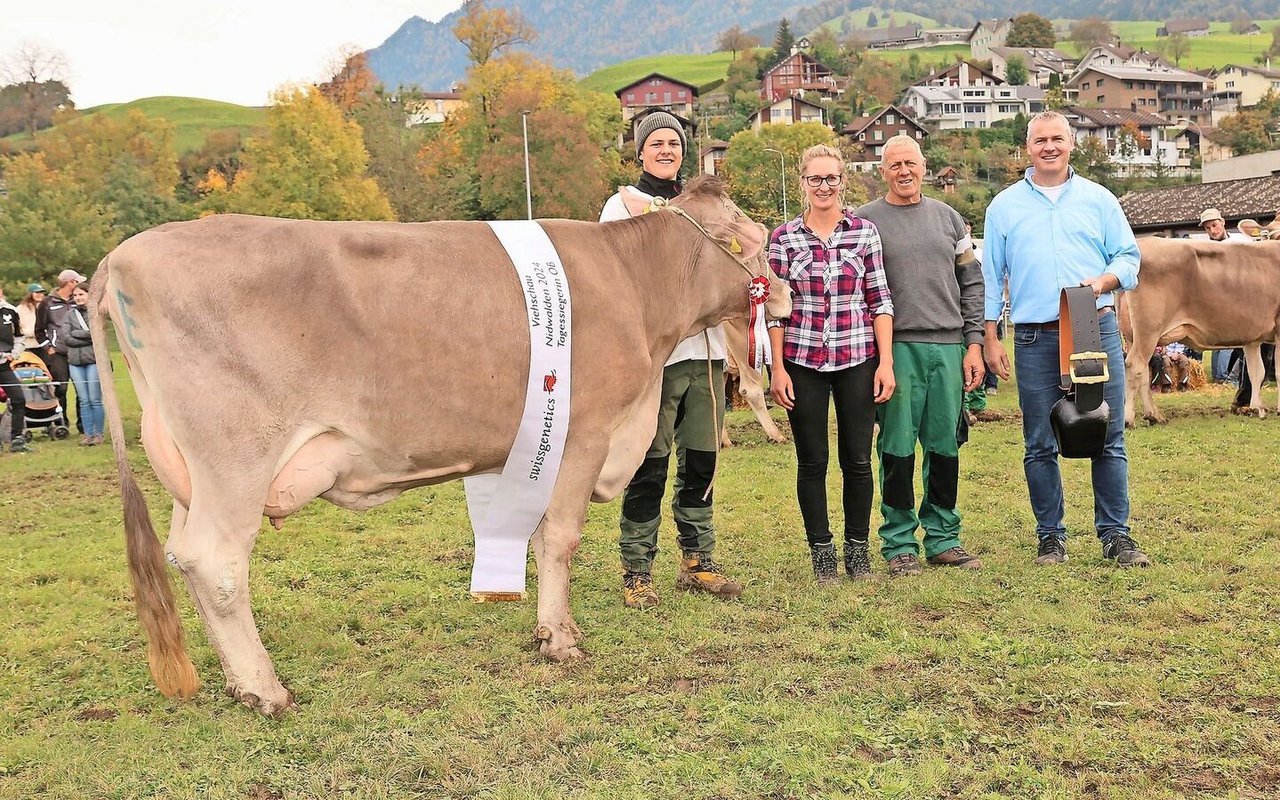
point(97, 714)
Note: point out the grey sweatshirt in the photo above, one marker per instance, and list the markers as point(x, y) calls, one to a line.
point(935, 298)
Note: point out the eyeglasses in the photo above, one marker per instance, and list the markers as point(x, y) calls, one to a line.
point(817, 180)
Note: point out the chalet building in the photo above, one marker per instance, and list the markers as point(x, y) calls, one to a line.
point(961, 73)
point(788, 111)
point(1187, 27)
point(1151, 151)
point(1175, 210)
point(986, 34)
point(1173, 92)
point(946, 179)
point(1116, 55)
point(431, 108)
point(874, 130)
point(798, 72)
point(712, 156)
point(656, 90)
point(1238, 86)
point(940, 108)
point(935, 36)
point(1042, 64)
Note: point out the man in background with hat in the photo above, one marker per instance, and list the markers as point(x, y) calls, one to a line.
point(49, 318)
point(1216, 227)
point(690, 413)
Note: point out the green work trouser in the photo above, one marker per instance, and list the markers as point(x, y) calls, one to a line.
point(926, 406)
point(975, 400)
point(690, 415)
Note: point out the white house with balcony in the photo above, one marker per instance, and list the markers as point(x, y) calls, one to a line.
point(1135, 141)
point(943, 108)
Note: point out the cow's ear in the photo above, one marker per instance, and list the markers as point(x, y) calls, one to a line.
point(635, 204)
point(746, 239)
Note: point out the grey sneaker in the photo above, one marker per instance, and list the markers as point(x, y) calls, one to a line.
point(824, 563)
point(1124, 551)
point(1052, 551)
point(857, 560)
point(19, 445)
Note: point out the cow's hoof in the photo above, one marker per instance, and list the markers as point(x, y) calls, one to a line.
point(1155, 419)
point(778, 439)
point(559, 643)
point(275, 706)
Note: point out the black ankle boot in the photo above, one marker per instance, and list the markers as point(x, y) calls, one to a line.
point(857, 560)
point(824, 563)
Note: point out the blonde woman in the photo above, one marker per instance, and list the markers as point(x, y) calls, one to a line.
point(838, 343)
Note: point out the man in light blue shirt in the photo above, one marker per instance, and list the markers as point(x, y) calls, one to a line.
point(1051, 230)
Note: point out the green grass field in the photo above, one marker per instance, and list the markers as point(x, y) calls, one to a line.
point(858, 19)
point(1219, 48)
point(193, 118)
point(1017, 682)
point(700, 70)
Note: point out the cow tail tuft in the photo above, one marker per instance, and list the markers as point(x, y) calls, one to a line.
point(171, 667)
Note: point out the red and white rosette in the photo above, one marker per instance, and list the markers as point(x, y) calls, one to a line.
point(757, 335)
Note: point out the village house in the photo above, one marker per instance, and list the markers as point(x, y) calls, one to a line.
point(1237, 86)
point(431, 108)
point(797, 73)
point(1148, 152)
point(986, 34)
point(895, 37)
point(966, 96)
point(1042, 64)
point(1173, 92)
point(1191, 28)
point(712, 156)
point(788, 111)
point(872, 131)
point(659, 91)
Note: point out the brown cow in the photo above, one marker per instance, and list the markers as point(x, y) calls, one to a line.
point(750, 381)
point(1206, 294)
point(255, 401)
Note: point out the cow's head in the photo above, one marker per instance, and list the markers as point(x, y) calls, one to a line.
point(738, 237)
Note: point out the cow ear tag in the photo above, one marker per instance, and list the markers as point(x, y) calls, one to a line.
point(658, 202)
point(734, 247)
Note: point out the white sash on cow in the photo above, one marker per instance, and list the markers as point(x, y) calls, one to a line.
point(507, 508)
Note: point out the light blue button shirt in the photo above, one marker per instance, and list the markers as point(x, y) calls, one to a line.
point(1051, 246)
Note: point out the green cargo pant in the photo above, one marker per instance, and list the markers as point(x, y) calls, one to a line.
point(690, 415)
point(926, 406)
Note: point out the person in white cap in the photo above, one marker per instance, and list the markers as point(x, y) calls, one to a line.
point(49, 320)
point(1214, 225)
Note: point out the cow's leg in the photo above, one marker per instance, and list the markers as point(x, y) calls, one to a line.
point(1257, 372)
point(1138, 381)
point(752, 388)
point(211, 550)
point(554, 544)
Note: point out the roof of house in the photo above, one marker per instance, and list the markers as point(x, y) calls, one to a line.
point(1250, 68)
point(954, 69)
point(639, 81)
point(1184, 25)
point(989, 24)
point(1166, 74)
point(802, 57)
point(1038, 56)
point(1167, 206)
point(874, 35)
point(1115, 117)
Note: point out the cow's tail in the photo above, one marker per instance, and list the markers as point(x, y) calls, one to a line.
point(171, 667)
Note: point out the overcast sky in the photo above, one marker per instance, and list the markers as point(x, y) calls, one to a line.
point(232, 50)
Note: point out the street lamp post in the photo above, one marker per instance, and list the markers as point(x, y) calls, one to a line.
point(786, 215)
point(528, 189)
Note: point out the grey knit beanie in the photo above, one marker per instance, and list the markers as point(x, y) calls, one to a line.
point(656, 121)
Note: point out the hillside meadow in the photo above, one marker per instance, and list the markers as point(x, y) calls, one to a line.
point(1017, 682)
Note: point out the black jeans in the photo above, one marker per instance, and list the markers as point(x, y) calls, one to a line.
point(17, 400)
point(1245, 393)
point(853, 390)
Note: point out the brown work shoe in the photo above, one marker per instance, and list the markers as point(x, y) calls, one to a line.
point(638, 591)
point(956, 557)
point(904, 564)
point(699, 573)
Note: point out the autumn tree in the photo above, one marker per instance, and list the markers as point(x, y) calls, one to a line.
point(734, 40)
point(350, 79)
point(755, 176)
point(38, 71)
point(485, 32)
point(1240, 24)
point(1089, 32)
point(32, 107)
point(1015, 70)
point(220, 154)
point(1031, 30)
point(393, 148)
point(309, 164)
point(49, 222)
point(1244, 132)
point(1273, 51)
point(1177, 47)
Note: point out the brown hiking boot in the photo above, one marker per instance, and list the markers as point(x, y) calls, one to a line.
point(699, 573)
point(956, 557)
point(904, 564)
point(638, 591)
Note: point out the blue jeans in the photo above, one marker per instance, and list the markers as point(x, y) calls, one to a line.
point(1220, 358)
point(88, 397)
point(1036, 358)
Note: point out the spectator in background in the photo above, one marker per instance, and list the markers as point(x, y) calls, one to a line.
point(27, 311)
point(49, 318)
point(83, 366)
point(11, 348)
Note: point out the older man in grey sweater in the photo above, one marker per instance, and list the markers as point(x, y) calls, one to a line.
point(937, 289)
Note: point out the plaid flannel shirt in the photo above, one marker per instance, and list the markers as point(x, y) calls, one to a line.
point(837, 286)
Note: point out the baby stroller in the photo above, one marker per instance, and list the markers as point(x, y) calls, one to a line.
point(43, 408)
